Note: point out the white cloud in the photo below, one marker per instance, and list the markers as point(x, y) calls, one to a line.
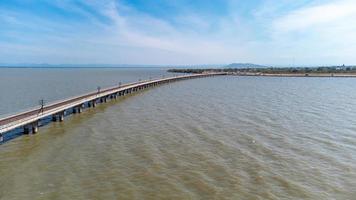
point(317, 34)
point(273, 33)
point(140, 30)
point(322, 15)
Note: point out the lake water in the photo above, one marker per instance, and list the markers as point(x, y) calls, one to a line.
point(22, 88)
point(211, 138)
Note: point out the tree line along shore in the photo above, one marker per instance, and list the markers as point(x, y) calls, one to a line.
point(349, 71)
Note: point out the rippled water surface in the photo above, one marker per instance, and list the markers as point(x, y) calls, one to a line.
point(209, 138)
point(22, 88)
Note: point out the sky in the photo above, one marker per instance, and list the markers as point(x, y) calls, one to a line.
point(178, 32)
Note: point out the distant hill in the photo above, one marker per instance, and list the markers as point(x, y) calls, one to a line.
point(244, 65)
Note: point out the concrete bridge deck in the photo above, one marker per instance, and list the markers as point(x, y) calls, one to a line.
point(29, 120)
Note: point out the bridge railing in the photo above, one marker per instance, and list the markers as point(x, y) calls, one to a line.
point(75, 101)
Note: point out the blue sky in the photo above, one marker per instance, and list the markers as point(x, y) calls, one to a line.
point(178, 32)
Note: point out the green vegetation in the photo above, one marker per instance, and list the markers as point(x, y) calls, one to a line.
point(275, 70)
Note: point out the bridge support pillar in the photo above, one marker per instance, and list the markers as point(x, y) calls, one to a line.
point(54, 117)
point(35, 128)
point(58, 116)
point(61, 116)
point(26, 130)
point(93, 103)
point(31, 127)
point(80, 109)
point(1, 138)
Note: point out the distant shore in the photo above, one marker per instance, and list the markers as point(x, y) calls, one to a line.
point(278, 72)
point(352, 75)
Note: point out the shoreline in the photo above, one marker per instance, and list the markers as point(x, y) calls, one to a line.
point(344, 72)
point(326, 75)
